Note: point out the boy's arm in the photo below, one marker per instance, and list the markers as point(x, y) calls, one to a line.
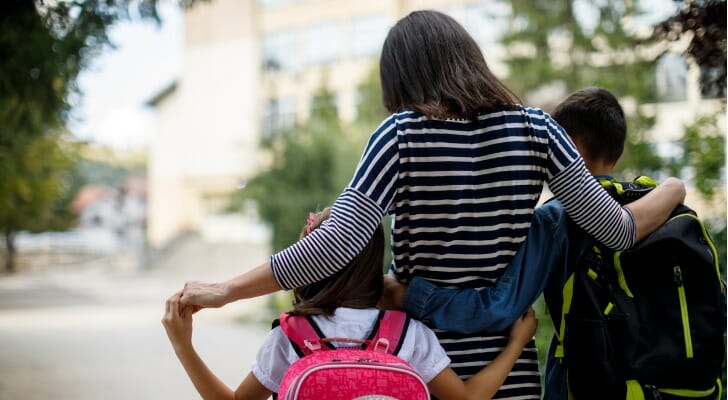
point(495, 308)
point(178, 324)
point(484, 385)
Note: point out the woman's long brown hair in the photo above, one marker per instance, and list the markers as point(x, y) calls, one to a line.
point(432, 65)
point(358, 285)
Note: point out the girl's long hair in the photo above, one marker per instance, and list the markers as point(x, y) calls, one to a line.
point(358, 285)
point(432, 65)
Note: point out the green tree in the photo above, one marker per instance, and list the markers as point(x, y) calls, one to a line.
point(705, 22)
point(37, 186)
point(312, 163)
point(306, 172)
point(44, 45)
point(703, 143)
point(550, 45)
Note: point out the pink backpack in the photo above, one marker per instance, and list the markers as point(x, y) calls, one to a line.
point(372, 371)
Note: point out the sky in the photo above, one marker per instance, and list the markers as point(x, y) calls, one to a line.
point(145, 59)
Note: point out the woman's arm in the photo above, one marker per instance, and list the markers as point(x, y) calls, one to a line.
point(256, 282)
point(591, 207)
point(487, 381)
point(653, 209)
point(354, 217)
point(178, 324)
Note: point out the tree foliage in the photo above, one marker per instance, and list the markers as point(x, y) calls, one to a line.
point(44, 46)
point(704, 152)
point(551, 45)
point(304, 174)
point(705, 22)
point(37, 185)
point(312, 163)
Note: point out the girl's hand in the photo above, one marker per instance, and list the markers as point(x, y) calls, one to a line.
point(524, 328)
point(177, 321)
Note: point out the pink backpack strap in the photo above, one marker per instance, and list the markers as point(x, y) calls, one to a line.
point(302, 333)
point(390, 333)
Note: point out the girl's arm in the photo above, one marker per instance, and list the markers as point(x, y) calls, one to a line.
point(178, 324)
point(484, 385)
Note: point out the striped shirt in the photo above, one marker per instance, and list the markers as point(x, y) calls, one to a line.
point(461, 194)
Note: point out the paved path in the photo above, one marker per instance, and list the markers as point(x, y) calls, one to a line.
point(92, 333)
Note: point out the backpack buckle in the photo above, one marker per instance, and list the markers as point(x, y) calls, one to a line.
point(313, 346)
point(381, 345)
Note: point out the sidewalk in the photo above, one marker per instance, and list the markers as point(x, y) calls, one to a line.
point(91, 333)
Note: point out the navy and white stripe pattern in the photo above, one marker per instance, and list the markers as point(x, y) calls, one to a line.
point(462, 195)
point(469, 354)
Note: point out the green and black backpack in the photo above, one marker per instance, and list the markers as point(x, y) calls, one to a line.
point(646, 323)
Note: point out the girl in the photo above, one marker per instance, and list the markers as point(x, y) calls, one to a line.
point(459, 166)
point(344, 305)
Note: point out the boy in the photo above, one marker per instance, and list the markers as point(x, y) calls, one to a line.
point(596, 124)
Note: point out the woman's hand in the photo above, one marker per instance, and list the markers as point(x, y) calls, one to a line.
point(393, 294)
point(204, 295)
point(177, 321)
point(524, 328)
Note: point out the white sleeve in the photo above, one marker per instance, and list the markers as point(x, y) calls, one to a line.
point(274, 357)
point(421, 349)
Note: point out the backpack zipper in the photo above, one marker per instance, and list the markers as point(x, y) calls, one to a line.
point(708, 241)
point(677, 274)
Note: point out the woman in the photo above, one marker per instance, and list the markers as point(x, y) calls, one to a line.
point(460, 166)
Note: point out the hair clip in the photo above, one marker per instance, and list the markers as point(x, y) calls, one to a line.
point(309, 223)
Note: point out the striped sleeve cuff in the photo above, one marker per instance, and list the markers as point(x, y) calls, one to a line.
point(354, 217)
point(592, 208)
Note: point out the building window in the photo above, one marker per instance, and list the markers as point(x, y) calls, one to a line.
point(280, 116)
point(323, 43)
point(670, 75)
point(368, 34)
point(279, 52)
point(710, 79)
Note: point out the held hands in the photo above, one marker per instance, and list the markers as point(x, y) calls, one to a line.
point(524, 328)
point(201, 295)
point(177, 321)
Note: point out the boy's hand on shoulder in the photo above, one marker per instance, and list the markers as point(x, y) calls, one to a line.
point(177, 321)
point(393, 294)
point(524, 328)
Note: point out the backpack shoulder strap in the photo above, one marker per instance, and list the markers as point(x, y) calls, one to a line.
point(390, 332)
point(303, 333)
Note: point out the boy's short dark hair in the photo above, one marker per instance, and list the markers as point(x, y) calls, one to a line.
point(594, 118)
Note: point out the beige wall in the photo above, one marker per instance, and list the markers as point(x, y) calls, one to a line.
point(207, 128)
point(343, 76)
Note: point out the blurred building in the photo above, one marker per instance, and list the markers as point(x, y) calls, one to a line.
point(252, 68)
point(207, 130)
point(680, 102)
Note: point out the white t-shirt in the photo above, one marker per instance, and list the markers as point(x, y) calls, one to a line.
point(276, 354)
